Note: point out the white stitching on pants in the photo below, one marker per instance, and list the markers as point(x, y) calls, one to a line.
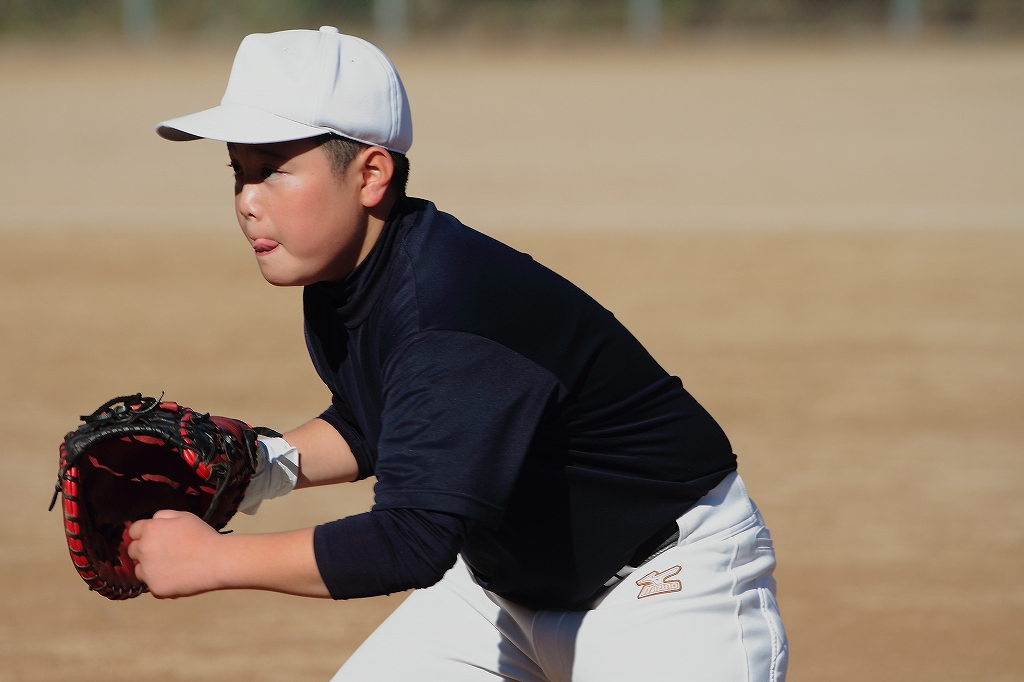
point(739, 603)
point(776, 639)
point(725, 533)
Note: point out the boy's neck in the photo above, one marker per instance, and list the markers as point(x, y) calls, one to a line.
point(376, 219)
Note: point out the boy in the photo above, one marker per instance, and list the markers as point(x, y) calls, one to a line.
point(571, 510)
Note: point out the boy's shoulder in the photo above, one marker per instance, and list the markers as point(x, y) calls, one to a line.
point(451, 278)
point(429, 236)
point(459, 271)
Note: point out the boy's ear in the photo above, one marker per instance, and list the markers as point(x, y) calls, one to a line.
point(376, 167)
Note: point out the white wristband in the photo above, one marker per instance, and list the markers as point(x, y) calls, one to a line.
point(277, 472)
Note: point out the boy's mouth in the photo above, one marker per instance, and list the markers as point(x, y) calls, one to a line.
point(263, 245)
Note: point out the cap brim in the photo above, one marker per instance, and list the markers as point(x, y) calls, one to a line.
point(236, 123)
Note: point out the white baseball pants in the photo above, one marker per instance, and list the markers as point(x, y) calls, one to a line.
point(704, 610)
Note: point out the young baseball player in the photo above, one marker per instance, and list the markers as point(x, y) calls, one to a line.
point(571, 511)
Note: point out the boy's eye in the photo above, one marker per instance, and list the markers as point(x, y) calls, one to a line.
point(265, 172)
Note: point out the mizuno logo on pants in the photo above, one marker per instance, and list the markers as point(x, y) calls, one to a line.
point(656, 582)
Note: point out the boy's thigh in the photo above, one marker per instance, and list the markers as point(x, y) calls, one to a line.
point(443, 633)
point(703, 611)
point(718, 640)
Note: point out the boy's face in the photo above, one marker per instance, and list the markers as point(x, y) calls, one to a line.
point(305, 223)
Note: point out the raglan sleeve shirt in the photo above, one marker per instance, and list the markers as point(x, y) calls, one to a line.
point(426, 348)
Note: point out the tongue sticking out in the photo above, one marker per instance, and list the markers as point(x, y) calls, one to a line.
point(264, 245)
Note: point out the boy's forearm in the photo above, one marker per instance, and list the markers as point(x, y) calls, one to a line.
point(278, 562)
point(324, 456)
point(178, 555)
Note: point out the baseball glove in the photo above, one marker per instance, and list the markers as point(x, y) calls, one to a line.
point(134, 456)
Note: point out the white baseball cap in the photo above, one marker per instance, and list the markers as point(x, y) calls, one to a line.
point(291, 85)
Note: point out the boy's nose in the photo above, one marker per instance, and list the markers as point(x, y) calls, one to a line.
point(247, 201)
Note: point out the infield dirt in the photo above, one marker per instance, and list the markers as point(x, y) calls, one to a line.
point(825, 242)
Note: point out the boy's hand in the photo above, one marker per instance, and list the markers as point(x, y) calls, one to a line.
point(176, 554)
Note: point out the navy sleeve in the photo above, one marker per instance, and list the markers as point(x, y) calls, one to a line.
point(460, 412)
point(361, 450)
point(386, 551)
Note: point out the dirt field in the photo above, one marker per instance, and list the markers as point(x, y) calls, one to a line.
point(826, 243)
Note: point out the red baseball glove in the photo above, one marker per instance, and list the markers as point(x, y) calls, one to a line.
point(134, 456)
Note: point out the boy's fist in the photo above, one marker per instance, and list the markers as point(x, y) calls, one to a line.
point(175, 554)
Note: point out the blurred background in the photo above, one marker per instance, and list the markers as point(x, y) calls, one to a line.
point(810, 211)
point(512, 19)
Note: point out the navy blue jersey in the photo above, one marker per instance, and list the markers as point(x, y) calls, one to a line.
point(473, 381)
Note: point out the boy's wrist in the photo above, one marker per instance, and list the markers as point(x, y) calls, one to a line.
point(224, 562)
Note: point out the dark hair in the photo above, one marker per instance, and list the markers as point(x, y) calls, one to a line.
point(341, 151)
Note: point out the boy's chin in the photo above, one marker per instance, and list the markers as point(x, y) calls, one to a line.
point(280, 277)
